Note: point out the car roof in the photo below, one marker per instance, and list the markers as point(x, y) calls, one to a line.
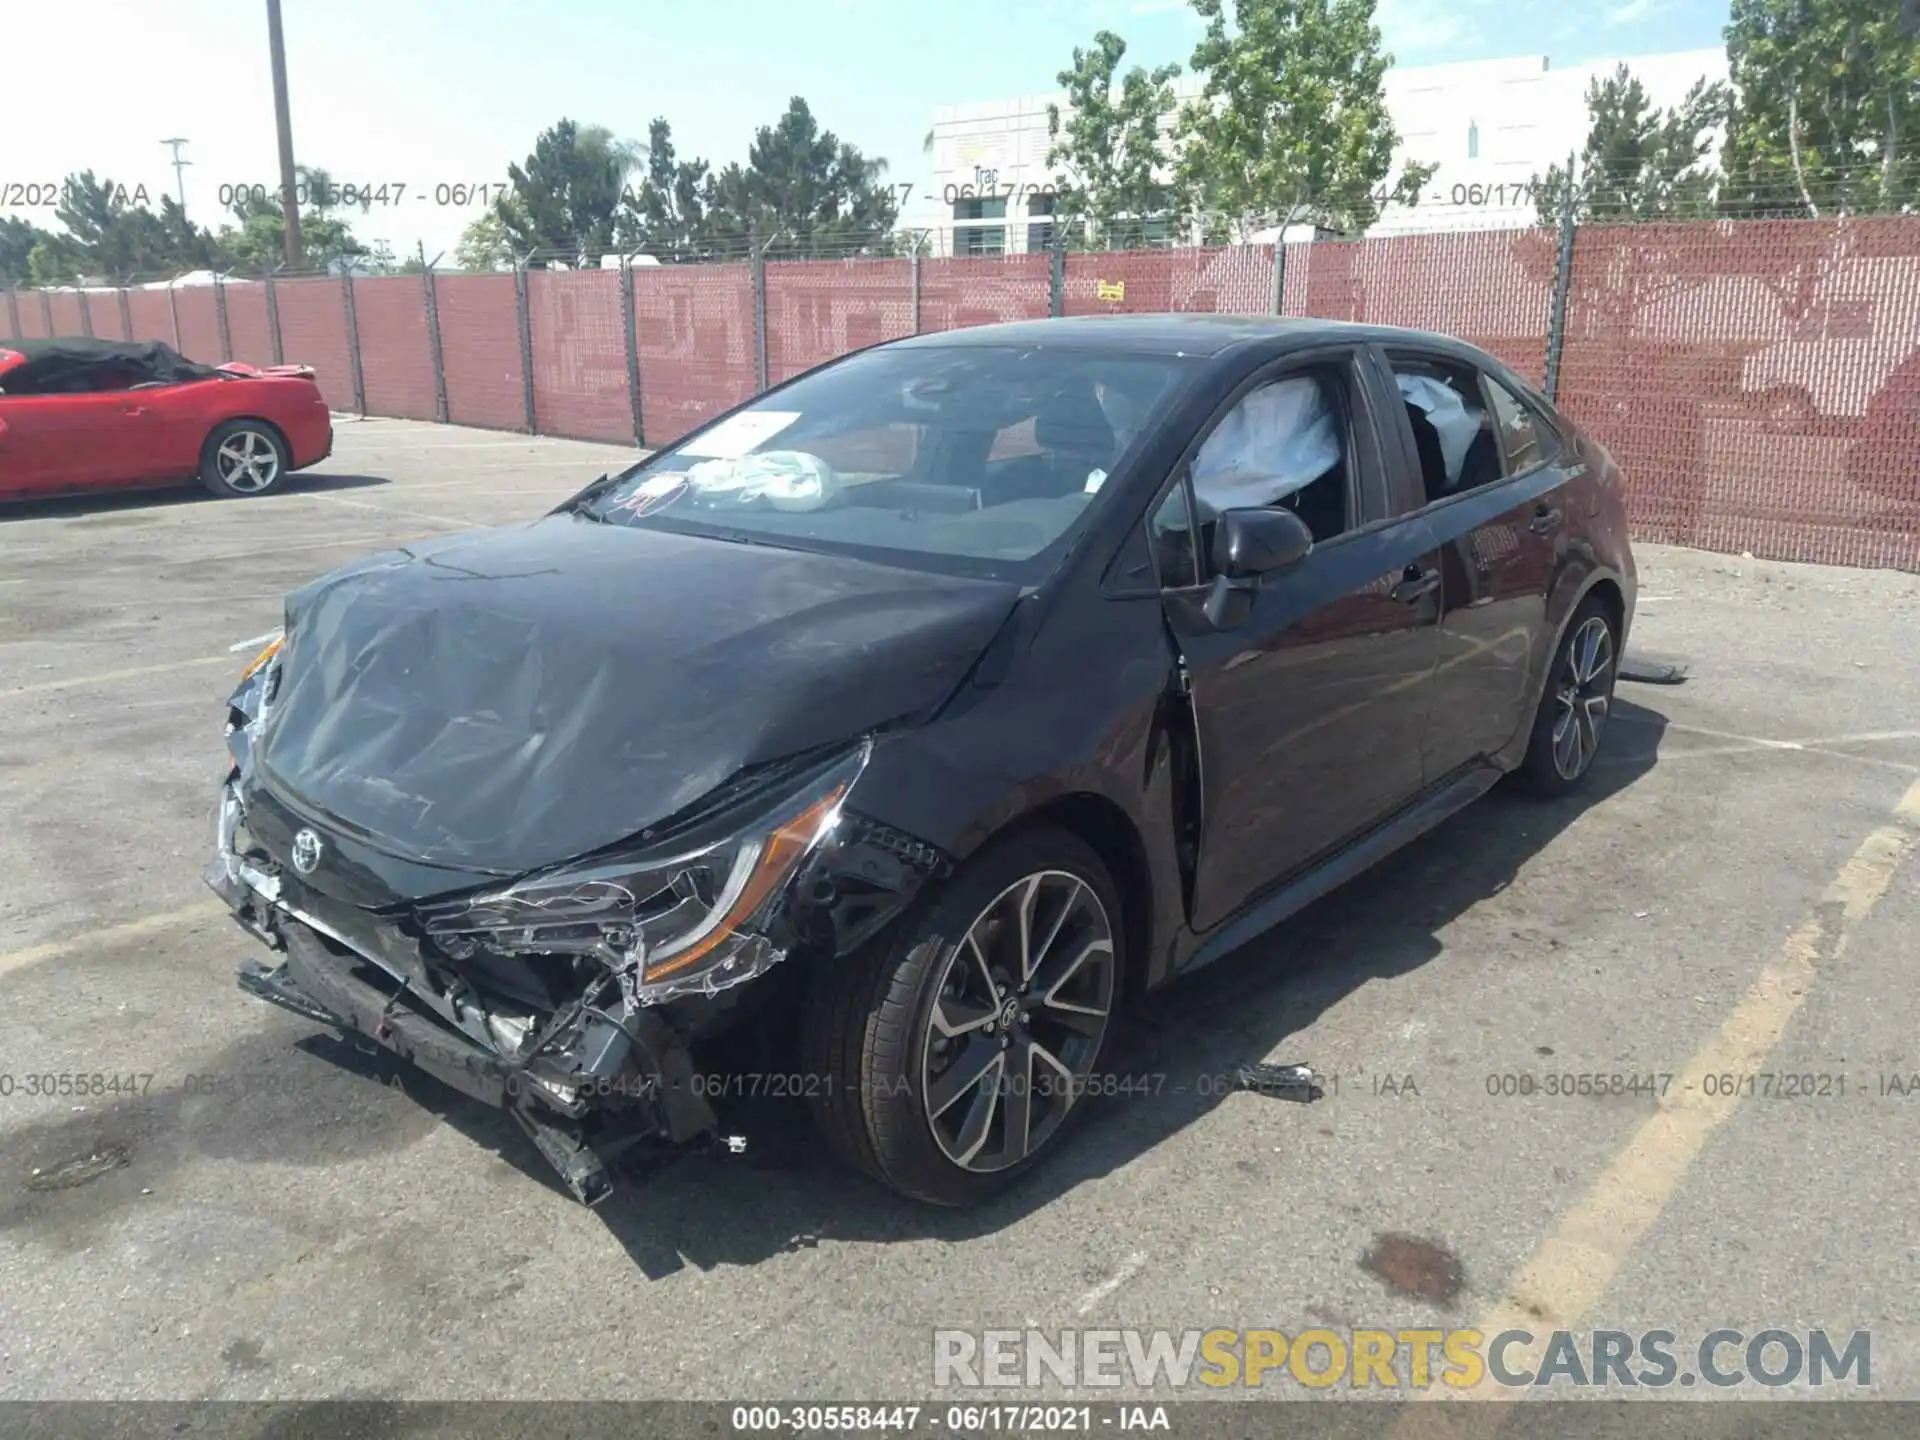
point(1178, 334)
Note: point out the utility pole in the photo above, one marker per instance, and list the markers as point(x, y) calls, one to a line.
point(179, 169)
point(289, 194)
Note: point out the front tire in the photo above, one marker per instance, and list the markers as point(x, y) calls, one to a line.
point(1579, 698)
point(243, 458)
point(955, 1054)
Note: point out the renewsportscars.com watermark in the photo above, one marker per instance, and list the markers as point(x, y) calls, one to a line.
point(1404, 1360)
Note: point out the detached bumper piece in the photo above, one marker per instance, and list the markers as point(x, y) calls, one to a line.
point(657, 1094)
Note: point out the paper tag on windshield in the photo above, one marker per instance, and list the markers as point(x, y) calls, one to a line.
point(1095, 479)
point(731, 439)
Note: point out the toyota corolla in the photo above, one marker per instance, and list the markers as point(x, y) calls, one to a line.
point(933, 706)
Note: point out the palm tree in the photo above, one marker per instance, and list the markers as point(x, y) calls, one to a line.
point(323, 192)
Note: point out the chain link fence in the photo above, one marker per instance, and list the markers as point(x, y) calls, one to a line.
point(1758, 379)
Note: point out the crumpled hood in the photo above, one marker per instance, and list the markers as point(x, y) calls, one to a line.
point(514, 697)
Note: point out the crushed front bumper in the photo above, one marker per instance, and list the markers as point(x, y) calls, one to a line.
point(642, 1087)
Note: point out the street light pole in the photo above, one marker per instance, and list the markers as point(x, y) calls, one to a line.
point(289, 195)
point(179, 169)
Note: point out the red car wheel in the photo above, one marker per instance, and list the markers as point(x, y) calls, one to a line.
point(243, 457)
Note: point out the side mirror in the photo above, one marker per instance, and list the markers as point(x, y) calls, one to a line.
point(1251, 543)
point(1248, 544)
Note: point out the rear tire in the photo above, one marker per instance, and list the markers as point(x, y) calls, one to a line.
point(894, 1033)
point(1573, 712)
point(244, 458)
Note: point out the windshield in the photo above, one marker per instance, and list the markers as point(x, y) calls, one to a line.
point(968, 459)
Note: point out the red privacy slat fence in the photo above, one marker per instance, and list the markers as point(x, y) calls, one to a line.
point(580, 355)
point(249, 326)
point(956, 293)
point(66, 315)
point(30, 314)
point(197, 314)
point(1227, 280)
point(396, 349)
point(480, 349)
point(103, 315)
point(1492, 288)
point(694, 331)
point(152, 315)
point(1758, 381)
point(313, 331)
point(817, 309)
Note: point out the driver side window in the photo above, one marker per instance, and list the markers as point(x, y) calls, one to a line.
point(1283, 445)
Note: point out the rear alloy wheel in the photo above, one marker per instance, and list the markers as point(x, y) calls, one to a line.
point(243, 457)
point(953, 1058)
point(1573, 712)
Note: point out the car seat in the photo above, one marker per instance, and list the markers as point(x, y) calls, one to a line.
point(1074, 439)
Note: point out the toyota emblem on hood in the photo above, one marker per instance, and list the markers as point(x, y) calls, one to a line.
point(306, 852)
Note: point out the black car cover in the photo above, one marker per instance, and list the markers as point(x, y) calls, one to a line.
point(60, 367)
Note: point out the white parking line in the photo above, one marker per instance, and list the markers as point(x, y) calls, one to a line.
point(389, 510)
point(1752, 745)
point(533, 445)
point(1129, 1268)
point(1865, 737)
point(360, 544)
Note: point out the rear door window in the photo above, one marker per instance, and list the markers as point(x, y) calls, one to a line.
point(1525, 439)
point(1452, 431)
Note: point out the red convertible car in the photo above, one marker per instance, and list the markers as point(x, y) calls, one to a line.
point(84, 415)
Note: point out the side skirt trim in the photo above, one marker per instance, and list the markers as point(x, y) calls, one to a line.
point(1405, 826)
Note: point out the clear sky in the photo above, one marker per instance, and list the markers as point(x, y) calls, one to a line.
point(426, 93)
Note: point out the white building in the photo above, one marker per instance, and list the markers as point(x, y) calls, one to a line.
point(1490, 126)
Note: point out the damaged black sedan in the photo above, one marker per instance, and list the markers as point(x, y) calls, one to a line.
point(926, 709)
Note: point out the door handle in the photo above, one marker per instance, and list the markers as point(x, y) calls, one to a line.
point(1546, 519)
point(1417, 586)
point(133, 410)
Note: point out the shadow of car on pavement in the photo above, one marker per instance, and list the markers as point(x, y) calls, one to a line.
point(787, 1192)
point(87, 505)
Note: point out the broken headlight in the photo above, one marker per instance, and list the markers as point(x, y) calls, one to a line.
point(671, 919)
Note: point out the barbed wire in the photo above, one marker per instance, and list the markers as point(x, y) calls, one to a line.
point(1616, 196)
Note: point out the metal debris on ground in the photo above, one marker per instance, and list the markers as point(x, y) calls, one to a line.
point(1652, 672)
point(69, 1174)
point(1282, 1082)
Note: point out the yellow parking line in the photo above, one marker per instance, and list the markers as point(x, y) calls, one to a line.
point(1568, 1275)
point(107, 677)
point(108, 935)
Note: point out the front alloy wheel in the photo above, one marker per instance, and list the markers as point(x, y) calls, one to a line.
point(955, 1052)
point(1020, 1014)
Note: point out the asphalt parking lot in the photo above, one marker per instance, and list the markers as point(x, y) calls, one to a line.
point(277, 1217)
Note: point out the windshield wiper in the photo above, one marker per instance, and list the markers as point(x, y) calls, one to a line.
point(744, 537)
point(581, 502)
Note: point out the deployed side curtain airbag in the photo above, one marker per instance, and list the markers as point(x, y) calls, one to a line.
point(1447, 412)
point(1274, 443)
